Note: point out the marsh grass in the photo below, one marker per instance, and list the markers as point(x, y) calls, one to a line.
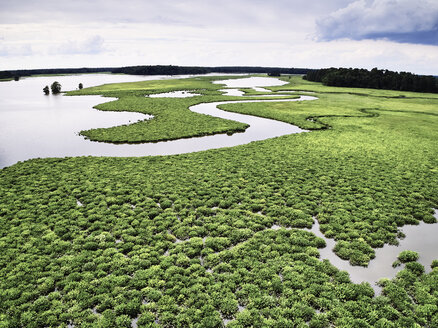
point(187, 240)
point(172, 117)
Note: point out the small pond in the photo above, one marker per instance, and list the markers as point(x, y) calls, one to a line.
point(251, 82)
point(174, 94)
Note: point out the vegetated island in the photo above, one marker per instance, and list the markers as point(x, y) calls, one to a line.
point(188, 240)
point(166, 111)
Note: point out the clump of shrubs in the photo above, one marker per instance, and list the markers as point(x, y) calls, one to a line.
point(415, 267)
point(408, 256)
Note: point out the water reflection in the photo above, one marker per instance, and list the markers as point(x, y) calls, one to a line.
point(36, 125)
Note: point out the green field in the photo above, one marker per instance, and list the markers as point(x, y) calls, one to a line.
point(187, 240)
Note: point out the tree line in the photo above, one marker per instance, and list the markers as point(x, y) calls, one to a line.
point(161, 70)
point(178, 70)
point(374, 79)
point(46, 71)
point(156, 70)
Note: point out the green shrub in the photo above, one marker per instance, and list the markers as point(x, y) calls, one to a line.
point(408, 256)
point(415, 267)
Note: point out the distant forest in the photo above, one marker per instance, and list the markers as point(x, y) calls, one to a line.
point(46, 71)
point(339, 77)
point(178, 70)
point(374, 79)
point(155, 70)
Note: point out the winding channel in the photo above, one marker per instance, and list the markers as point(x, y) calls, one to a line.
point(48, 129)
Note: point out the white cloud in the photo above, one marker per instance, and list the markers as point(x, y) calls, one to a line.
point(291, 14)
point(398, 20)
point(192, 32)
point(92, 45)
point(7, 50)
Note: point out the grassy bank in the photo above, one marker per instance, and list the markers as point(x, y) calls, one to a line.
point(167, 112)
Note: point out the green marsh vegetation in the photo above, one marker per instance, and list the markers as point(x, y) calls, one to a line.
point(167, 112)
point(365, 133)
point(187, 240)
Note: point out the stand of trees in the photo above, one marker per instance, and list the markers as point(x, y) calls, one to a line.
point(156, 70)
point(16, 74)
point(374, 79)
point(161, 70)
point(6, 75)
point(257, 69)
point(178, 70)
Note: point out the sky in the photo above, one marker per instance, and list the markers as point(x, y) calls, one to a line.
point(400, 35)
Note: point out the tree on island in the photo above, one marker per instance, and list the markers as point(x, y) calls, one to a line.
point(80, 86)
point(46, 90)
point(56, 87)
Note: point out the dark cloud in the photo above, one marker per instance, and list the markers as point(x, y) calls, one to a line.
point(403, 21)
point(421, 37)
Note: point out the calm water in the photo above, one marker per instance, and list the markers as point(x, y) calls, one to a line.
point(253, 82)
point(34, 125)
point(174, 94)
point(420, 238)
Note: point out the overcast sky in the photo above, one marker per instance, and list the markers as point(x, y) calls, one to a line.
point(400, 35)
